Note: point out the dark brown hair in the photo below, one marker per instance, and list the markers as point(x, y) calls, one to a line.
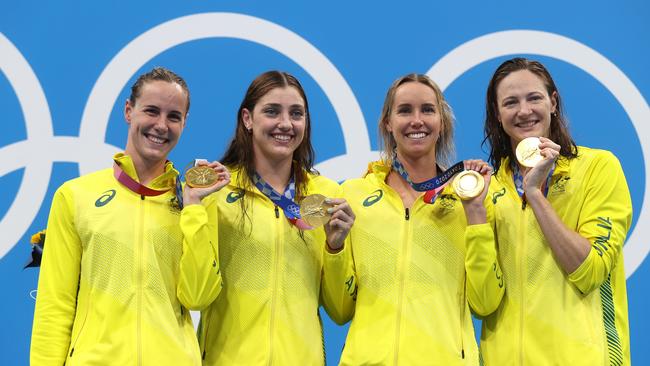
point(495, 135)
point(239, 154)
point(162, 74)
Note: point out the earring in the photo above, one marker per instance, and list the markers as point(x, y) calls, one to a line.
point(554, 114)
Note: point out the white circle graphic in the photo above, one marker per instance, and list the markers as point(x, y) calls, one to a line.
point(490, 46)
point(227, 25)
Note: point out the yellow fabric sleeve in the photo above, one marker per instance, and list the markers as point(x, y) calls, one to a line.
point(58, 283)
point(339, 284)
point(199, 280)
point(605, 219)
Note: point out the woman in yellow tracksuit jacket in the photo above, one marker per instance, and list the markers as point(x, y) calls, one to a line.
point(272, 265)
point(117, 277)
point(419, 263)
point(560, 229)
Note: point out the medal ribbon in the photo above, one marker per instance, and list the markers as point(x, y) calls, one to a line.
point(143, 190)
point(519, 181)
point(134, 186)
point(285, 201)
point(432, 186)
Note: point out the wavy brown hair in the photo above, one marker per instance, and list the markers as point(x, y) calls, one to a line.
point(239, 154)
point(495, 135)
point(445, 143)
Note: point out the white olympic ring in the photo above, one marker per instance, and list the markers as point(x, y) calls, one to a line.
point(209, 25)
point(489, 46)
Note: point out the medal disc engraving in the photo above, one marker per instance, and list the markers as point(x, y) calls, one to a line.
point(313, 209)
point(200, 176)
point(528, 152)
point(468, 184)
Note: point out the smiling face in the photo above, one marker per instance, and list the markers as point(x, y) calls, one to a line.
point(415, 120)
point(277, 123)
point(524, 106)
point(156, 121)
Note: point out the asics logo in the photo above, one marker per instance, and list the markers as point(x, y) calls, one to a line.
point(105, 198)
point(234, 196)
point(373, 198)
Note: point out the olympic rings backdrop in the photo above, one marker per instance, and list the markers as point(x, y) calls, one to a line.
point(66, 67)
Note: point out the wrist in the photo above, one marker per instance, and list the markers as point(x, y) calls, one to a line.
point(333, 249)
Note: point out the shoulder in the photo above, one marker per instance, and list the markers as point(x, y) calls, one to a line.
point(595, 157)
point(86, 181)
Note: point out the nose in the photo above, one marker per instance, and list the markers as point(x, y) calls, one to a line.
point(284, 122)
point(161, 124)
point(417, 119)
point(525, 108)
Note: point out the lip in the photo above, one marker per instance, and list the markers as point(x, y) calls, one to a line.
point(154, 139)
point(416, 135)
point(282, 137)
point(527, 124)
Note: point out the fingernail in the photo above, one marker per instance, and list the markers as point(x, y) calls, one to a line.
point(330, 210)
point(328, 200)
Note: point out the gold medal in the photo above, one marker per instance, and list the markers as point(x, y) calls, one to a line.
point(200, 176)
point(528, 152)
point(468, 184)
point(313, 209)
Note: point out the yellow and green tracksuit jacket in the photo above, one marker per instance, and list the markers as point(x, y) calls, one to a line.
point(117, 277)
point(267, 311)
point(549, 317)
point(417, 273)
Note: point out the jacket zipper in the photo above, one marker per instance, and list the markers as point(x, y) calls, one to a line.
point(208, 317)
point(463, 301)
point(521, 250)
point(402, 274)
point(275, 275)
point(83, 325)
point(139, 279)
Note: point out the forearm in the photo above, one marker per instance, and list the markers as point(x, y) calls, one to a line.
point(569, 247)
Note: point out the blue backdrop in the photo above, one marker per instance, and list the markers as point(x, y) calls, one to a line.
point(66, 67)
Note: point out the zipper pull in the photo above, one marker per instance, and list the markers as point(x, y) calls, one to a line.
point(407, 215)
point(277, 212)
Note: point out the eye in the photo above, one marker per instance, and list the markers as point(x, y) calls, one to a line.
point(509, 102)
point(270, 111)
point(297, 114)
point(174, 117)
point(151, 111)
point(535, 98)
point(428, 109)
point(404, 109)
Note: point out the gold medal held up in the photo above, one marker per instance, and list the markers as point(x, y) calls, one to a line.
point(528, 152)
point(313, 209)
point(468, 184)
point(200, 176)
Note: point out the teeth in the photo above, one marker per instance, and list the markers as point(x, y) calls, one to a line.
point(156, 139)
point(417, 135)
point(526, 124)
point(282, 137)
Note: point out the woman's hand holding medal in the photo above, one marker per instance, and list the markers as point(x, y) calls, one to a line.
point(335, 213)
point(538, 162)
point(203, 179)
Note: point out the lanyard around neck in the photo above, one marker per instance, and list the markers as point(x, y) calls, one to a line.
point(285, 201)
point(133, 185)
point(432, 186)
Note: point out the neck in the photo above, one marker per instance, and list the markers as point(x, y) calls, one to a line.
point(420, 168)
point(275, 173)
point(146, 170)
